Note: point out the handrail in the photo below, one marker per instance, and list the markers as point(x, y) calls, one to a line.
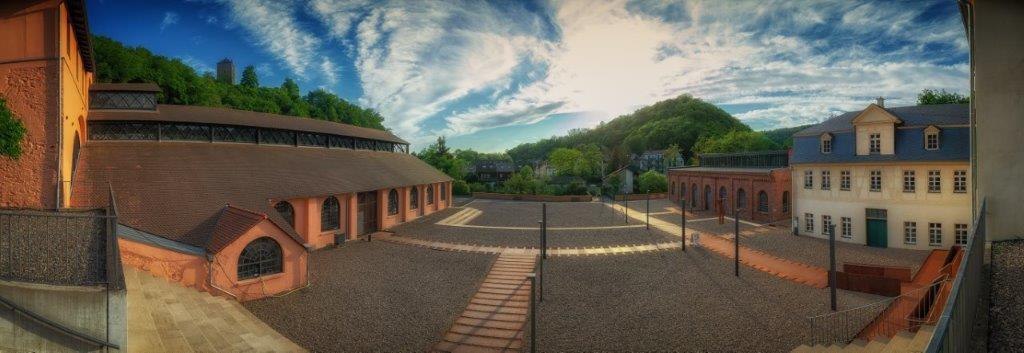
point(942, 326)
point(57, 326)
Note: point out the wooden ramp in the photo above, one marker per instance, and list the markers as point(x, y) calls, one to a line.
point(494, 319)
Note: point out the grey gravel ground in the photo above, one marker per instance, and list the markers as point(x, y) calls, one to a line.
point(1006, 313)
point(424, 228)
point(780, 241)
point(560, 214)
point(376, 296)
point(670, 301)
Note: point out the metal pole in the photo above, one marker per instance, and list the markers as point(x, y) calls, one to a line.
point(682, 215)
point(533, 312)
point(544, 230)
point(625, 205)
point(832, 264)
point(648, 210)
point(736, 221)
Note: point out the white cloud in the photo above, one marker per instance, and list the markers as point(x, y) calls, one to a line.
point(275, 28)
point(196, 64)
point(170, 18)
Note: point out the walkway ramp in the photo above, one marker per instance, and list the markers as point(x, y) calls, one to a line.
point(168, 317)
point(494, 319)
point(904, 341)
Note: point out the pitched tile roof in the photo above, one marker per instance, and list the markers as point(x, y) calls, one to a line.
point(917, 115)
point(231, 224)
point(211, 115)
point(179, 190)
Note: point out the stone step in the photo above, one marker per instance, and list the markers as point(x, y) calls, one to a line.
point(525, 290)
point(507, 325)
point(501, 303)
point(474, 314)
point(502, 286)
point(483, 341)
point(497, 309)
point(503, 281)
point(445, 346)
point(484, 331)
point(522, 297)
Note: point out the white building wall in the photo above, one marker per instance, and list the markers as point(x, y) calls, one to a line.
point(946, 207)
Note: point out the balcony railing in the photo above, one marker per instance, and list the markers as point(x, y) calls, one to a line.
point(954, 330)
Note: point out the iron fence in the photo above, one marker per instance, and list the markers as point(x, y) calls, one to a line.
point(884, 318)
point(954, 329)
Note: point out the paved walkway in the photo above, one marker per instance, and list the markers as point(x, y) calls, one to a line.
point(461, 218)
point(608, 250)
point(795, 271)
point(494, 319)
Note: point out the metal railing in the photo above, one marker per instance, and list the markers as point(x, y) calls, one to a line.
point(953, 332)
point(886, 317)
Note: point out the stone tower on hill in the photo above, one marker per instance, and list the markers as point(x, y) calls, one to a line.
point(226, 71)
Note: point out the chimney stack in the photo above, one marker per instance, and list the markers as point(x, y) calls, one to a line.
point(880, 101)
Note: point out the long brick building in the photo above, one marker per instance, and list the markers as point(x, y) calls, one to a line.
point(758, 183)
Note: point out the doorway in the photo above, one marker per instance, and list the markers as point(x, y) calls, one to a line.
point(366, 218)
point(877, 228)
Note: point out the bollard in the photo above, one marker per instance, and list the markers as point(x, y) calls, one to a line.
point(544, 230)
point(648, 210)
point(832, 264)
point(625, 206)
point(533, 312)
point(736, 221)
point(682, 215)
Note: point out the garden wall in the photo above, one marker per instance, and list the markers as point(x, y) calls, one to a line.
point(537, 198)
point(640, 197)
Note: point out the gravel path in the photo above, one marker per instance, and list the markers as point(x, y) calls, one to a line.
point(560, 214)
point(376, 297)
point(670, 301)
point(1006, 313)
point(424, 228)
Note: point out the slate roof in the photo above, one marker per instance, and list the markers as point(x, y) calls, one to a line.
point(212, 115)
point(918, 115)
point(180, 190)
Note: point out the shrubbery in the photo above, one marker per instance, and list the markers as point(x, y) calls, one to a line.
point(653, 182)
point(460, 187)
point(12, 131)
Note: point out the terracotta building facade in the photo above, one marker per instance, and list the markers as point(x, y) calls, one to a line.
point(758, 184)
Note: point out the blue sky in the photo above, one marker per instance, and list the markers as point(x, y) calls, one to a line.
point(491, 75)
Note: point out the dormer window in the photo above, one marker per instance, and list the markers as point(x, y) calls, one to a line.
point(931, 138)
point(826, 143)
point(875, 143)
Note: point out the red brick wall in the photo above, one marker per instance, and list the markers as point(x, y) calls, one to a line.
point(774, 184)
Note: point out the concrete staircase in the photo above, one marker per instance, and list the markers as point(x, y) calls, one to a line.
point(904, 341)
point(494, 319)
point(167, 317)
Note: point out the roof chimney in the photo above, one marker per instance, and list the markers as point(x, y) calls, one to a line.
point(880, 101)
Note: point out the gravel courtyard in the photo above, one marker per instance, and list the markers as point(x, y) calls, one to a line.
point(375, 296)
point(560, 214)
point(670, 301)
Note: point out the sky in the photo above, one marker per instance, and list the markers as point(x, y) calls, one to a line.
point(492, 75)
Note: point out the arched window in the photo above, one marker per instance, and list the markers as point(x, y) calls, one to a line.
point(707, 197)
point(444, 191)
point(330, 214)
point(393, 202)
point(785, 201)
point(286, 211)
point(261, 257)
point(722, 195)
point(741, 199)
point(430, 194)
point(693, 196)
point(673, 189)
point(414, 198)
point(762, 201)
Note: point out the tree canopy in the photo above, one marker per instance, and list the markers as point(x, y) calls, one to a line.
point(653, 181)
point(927, 97)
point(583, 162)
point(736, 141)
point(438, 156)
point(12, 131)
point(180, 84)
point(784, 136)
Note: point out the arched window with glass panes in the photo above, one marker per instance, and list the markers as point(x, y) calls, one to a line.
point(260, 257)
point(762, 201)
point(330, 214)
point(741, 199)
point(393, 202)
point(430, 194)
point(414, 198)
point(287, 212)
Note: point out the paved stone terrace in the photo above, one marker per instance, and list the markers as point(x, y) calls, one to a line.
point(674, 301)
point(526, 214)
point(376, 296)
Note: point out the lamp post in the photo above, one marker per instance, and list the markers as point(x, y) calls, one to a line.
point(682, 216)
point(832, 265)
point(736, 222)
point(648, 209)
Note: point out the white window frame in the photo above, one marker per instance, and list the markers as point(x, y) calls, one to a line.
point(847, 225)
point(934, 181)
point(826, 179)
point(844, 180)
point(910, 233)
point(809, 223)
point(875, 180)
point(826, 221)
point(934, 234)
point(875, 143)
point(931, 141)
point(960, 234)
point(960, 181)
point(909, 181)
point(826, 145)
point(808, 179)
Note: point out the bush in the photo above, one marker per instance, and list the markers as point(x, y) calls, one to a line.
point(652, 181)
point(460, 187)
point(12, 131)
point(478, 187)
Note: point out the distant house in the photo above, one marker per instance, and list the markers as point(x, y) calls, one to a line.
point(492, 171)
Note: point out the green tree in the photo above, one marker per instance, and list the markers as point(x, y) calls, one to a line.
point(437, 156)
point(670, 155)
point(927, 97)
point(249, 78)
point(736, 141)
point(522, 182)
point(291, 89)
point(653, 181)
point(12, 131)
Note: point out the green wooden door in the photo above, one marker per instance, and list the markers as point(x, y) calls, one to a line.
point(878, 233)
